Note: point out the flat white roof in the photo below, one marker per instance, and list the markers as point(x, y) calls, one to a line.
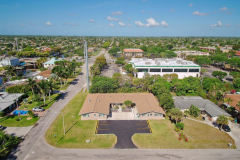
point(162, 62)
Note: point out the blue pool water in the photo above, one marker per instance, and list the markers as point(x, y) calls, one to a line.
point(21, 112)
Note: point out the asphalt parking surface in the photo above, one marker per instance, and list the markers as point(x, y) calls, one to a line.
point(124, 130)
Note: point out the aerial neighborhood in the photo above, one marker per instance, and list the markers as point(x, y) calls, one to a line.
point(135, 80)
point(187, 85)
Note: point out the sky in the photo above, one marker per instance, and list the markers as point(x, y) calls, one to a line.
point(120, 17)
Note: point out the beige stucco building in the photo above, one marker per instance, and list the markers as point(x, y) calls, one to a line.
point(106, 106)
point(133, 52)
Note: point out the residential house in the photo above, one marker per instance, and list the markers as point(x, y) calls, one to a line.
point(205, 106)
point(12, 61)
point(8, 101)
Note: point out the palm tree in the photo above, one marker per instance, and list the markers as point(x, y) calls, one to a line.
point(51, 86)
point(10, 71)
point(59, 72)
point(222, 120)
point(44, 88)
point(54, 77)
point(228, 100)
point(176, 114)
point(32, 83)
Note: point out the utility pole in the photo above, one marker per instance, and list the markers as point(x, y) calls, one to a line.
point(17, 44)
point(86, 53)
point(84, 49)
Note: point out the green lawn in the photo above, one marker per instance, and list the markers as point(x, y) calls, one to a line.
point(10, 121)
point(77, 131)
point(200, 136)
point(33, 104)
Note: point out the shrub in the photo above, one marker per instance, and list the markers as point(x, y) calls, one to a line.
point(16, 118)
point(180, 125)
point(1, 114)
point(31, 113)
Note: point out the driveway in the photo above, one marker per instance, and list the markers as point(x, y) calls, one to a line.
point(18, 131)
point(124, 130)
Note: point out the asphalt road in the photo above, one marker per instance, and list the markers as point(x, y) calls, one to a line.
point(210, 70)
point(124, 130)
point(34, 147)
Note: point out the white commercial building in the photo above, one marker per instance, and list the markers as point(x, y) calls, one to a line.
point(161, 66)
point(9, 61)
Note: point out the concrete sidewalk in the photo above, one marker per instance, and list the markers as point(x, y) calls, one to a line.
point(18, 131)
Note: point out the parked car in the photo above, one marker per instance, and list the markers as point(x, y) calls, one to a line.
point(237, 92)
point(226, 128)
point(38, 109)
point(1, 127)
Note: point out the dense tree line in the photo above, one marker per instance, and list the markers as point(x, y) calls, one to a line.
point(98, 65)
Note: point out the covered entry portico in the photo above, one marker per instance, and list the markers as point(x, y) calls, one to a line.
point(118, 111)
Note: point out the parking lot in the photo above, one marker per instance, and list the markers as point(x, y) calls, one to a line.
point(124, 130)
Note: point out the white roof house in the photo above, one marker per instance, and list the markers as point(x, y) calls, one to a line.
point(161, 66)
point(7, 100)
point(51, 62)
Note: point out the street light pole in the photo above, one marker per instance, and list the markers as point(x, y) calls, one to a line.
point(63, 122)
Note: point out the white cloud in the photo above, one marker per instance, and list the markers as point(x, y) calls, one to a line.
point(111, 25)
point(22, 24)
point(238, 25)
point(113, 19)
point(129, 25)
point(190, 5)
point(140, 24)
point(219, 24)
point(227, 25)
point(152, 22)
point(91, 20)
point(164, 24)
point(223, 9)
point(228, 13)
point(48, 24)
point(172, 10)
point(117, 13)
point(129, 19)
point(143, 11)
point(121, 24)
point(200, 14)
point(71, 24)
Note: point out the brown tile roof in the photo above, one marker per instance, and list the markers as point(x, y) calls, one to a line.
point(45, 73)
point(238, 53)
point(145, 102)
point(132, 50)
point(235, 98)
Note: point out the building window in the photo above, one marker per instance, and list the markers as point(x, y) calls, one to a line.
point(155, 70)
point(167, 70)
point(94, 115)
point(85, 115)
point(180, 70)
point(193, 70)
point(150, 114)
point(101, 115)
point(142, 70)
point(158, 114)
point(144, 115)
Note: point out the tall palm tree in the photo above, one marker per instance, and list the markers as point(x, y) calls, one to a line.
point(44, 88)
point(222, 120)
point(51, 86)
point(11, 71)
point(54, 77)
point(32, 83)
point(59, 72)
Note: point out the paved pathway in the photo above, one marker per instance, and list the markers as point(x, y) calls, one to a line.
point(18, 131)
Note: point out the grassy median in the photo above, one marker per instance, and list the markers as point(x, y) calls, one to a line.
point(77, 131)
point(199, 135)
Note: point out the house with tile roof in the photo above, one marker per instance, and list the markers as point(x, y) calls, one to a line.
point(133, 52)
point(106, 106)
